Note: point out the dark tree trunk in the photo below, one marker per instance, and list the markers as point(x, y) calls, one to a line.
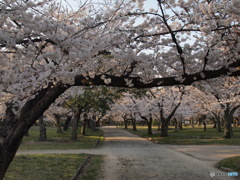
point(165, 121)
point(180, 124)
point(89, 123)
point(26, 134)
point(67, 123)
point(217, 118)
point(149, 123)
point(134, 124)
point(58, 121)
point(227, 124)
point(219, 125)
point(43, 130)
point(214, 124)
point(125, 123)
point(164, 128)
point(228, 120)
point(227, 128)
point(12, 128)
point(75, 120)
point(204, 125)
point(150, 132)
point(176, 125)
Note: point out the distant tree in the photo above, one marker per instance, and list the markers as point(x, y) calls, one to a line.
point(91, 100)
point(43, 130)
point(226, 94)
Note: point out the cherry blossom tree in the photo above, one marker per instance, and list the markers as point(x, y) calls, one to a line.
point(47, 48)
point(226, 93)
point(166, 102)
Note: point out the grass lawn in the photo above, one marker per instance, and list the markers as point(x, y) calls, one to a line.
point(55, 166)
point(51, 167)
point(190, 136)
point(59, 140)
point(232, 163)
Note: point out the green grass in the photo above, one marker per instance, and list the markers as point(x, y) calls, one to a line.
point(59, 141)
point(55, 166)
point(50, 167)
point(191, 136)
point(94, 168)
point(232, 163)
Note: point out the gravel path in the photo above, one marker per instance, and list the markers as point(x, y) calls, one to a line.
point(129, 157)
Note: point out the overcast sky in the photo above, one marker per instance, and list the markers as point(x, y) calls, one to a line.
point(75, 3)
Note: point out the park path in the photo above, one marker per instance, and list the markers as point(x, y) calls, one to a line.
point(129, 157)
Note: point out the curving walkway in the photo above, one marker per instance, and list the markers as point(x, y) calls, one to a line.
point(129, 157)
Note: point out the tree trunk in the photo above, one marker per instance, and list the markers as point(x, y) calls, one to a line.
point(134, 124)
point(176, 125)
point(58, 121)
point(13, 128)
point(204, 125)
point(8, 142)
point(125, 124)
point(26, 134)
point(7, 154)
point(75, 120)
point(43, 130)
point(67, 123)
point(227, 123)
point(228, 120)
point(164, 127)
point(214, 124)
point(149, 122)
point(180, 126)
point(88, 121)
point(227, 129)
point(219, 125)
point(218, 122)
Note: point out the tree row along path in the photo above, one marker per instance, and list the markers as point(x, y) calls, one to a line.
point(129, 157)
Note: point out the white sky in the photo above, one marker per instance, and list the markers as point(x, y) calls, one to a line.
point(148, 4)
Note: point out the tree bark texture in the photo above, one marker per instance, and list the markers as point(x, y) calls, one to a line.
point(164, 127)
point(13, 128)
point(75, 120)
point(58, 122)
point(134, 124)
point(43, 130)
point(125, 124)
point(228, 120)
point(67, 123)
point(149, 122)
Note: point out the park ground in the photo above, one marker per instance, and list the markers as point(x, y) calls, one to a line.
point(128, 156)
